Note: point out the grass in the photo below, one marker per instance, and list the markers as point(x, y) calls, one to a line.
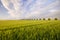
point(29, 30)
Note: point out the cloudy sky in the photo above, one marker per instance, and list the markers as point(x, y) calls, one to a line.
point(23, 9)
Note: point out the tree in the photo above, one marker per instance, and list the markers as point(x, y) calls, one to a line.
point(43, 18)
point(56, 18)
point(49, 19)
point(40, 19)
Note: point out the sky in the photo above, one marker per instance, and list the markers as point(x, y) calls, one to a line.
point(29, 9)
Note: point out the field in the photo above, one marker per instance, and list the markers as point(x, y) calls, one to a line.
point(29, 29)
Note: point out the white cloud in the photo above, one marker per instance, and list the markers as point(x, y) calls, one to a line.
point(29, 8)
point(41, 12)
point(54, 12)
point(16, 5)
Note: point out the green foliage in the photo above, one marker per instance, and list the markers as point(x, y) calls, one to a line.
point(43, 18)
point(56, 18)
point(30, 30)
point(49, 19)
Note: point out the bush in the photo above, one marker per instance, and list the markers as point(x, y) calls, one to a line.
point(56, 18)
point(40, 19)
point(49, 19)
point(43, 18)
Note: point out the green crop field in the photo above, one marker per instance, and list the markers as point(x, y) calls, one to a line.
point(29, 29)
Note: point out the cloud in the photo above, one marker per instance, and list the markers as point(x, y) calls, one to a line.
point(54, 13)
point(45, 12)
point(21, 9)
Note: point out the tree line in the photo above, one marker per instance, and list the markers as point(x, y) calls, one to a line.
point(41, 19)
point(50, 19)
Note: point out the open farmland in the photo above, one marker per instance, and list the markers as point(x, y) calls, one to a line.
point(29, 29)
